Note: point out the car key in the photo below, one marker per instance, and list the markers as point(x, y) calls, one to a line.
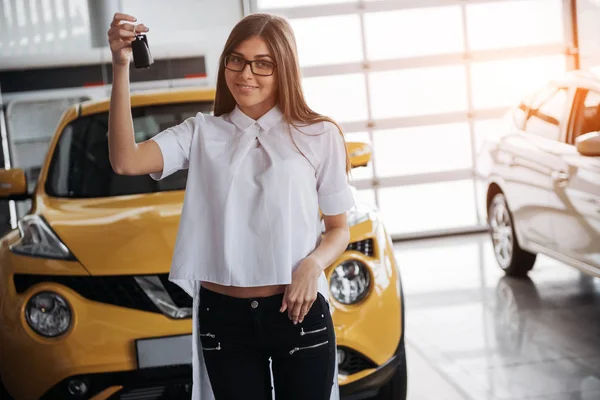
point(142, 58)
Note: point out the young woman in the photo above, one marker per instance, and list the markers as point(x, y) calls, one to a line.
point(250, 248)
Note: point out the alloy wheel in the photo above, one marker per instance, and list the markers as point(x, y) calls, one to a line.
point(502, 234)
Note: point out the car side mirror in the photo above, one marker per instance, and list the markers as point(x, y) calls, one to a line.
point(588, 144)
point(359, 153)
point(13, 184)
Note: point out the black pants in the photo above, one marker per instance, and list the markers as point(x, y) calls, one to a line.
point(241, 336)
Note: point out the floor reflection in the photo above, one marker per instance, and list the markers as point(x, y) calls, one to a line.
point(497, 337)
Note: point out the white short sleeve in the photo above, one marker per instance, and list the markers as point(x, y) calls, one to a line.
point(175, 143)
point(333, 188)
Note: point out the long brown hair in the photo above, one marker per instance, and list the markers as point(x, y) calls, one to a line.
point(279, 37)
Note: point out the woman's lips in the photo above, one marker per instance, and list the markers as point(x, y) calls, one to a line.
point(246, 88)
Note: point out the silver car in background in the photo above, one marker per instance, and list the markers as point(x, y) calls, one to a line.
point(541, 178)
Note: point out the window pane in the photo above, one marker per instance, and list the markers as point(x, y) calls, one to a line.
point(366, 196)
point(588, 116)
point(66, 27)
point(295, 3)
point(505, 83)
point(427, 207)
point(518, 114)
point(31, 127)
point(328, 40)
point(588, 15)
point(407, 33)
point(422, 149)
point(418, 91)
point(341, 97)
point(489, 129)
point(546, 120)
point(360, 173)
point(592, 99)
point(29, 155)
point(30, 120)
point(80, 165)
point(514, 23)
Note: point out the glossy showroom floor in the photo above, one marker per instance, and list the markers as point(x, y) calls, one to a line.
point(473, 334)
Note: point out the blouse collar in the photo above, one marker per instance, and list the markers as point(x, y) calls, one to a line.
point(266, 122)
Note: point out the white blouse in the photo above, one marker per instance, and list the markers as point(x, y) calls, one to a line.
point(251, 207)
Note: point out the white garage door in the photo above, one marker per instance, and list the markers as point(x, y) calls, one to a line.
point(424, 82)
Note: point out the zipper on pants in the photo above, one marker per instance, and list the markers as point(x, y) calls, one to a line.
point(302, 332)
point(295, 349)
point(210, 335)
point(213, 348)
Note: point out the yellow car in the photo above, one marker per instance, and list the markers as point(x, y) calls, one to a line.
point(83, 280)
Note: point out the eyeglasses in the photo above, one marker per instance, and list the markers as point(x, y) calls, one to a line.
point(258, 67)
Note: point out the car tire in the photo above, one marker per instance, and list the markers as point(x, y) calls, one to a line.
point(395, 389)
point(510, 256)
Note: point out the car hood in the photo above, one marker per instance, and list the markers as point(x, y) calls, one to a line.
point(118, 235)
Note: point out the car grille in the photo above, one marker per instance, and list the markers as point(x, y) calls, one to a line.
point(122, 291)
point(354, 362)
point(162, 392)
point(363, 246)
point(152, 393)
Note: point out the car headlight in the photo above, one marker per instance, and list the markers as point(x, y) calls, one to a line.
point(37, 239)
point(350, 282)
point(48, 314)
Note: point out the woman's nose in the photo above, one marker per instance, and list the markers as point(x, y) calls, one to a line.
point(247, 71)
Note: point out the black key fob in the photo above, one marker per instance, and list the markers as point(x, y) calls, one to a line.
point(141, 52)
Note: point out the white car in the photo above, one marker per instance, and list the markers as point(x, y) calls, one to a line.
point(541, 177)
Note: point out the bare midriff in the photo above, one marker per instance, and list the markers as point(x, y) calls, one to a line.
point(245, 292)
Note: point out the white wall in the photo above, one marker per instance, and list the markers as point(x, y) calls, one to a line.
point(588, 18)
point(57, 32)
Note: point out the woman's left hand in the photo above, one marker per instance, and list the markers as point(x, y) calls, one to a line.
point(302, 292)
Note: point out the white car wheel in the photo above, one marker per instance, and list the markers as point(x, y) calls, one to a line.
point(502, 236)
point(510, 256)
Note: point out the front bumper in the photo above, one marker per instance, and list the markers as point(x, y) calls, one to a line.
point(370, 385)
point(100, 342)
point(171, 383)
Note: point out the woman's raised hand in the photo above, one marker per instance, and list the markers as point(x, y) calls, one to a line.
point(120, 36)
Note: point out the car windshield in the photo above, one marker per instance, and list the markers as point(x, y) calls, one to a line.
point(80, 167)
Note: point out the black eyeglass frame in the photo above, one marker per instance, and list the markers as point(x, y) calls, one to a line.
point(246, 62)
